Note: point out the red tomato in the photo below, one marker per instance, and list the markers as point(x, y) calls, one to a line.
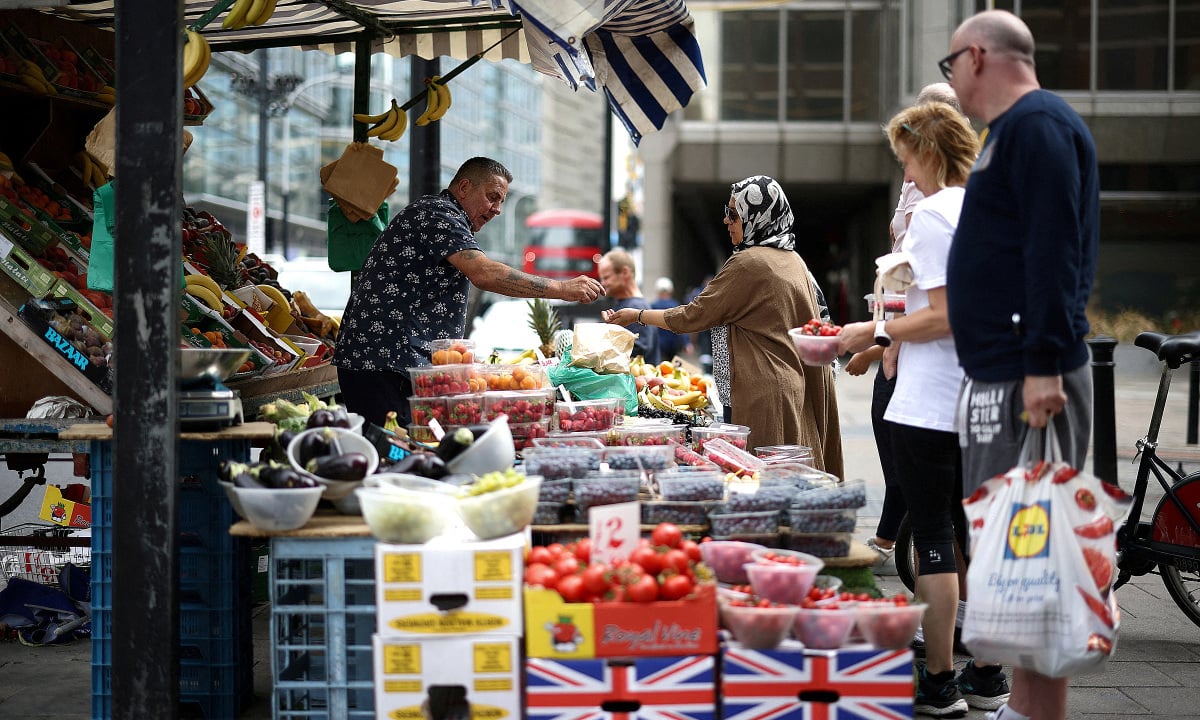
point(556, 549)
point(1085, 499)
point(1097, 528)
point(566, 564)
point(675, 587)
point(692, 549)
point(667, 534)
point(615, 593)
point(539, 554)
point(651, 561)
point(644, 589)
point(676, 560)
point(540, 574)
point(582, 550)
point(571, 588)
point(1100, 567)
point(595, 579)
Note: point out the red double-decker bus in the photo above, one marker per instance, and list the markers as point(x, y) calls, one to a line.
point(562, 244)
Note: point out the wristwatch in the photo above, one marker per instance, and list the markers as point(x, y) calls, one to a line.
point(882, 339)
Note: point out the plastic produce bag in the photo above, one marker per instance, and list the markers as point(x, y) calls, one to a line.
point(1043, 561)
point(602, 347)
point(587, 384)
point(100, 257)
point(894, 271)
point(350, 242)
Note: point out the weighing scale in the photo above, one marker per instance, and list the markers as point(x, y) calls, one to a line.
point(204, 401)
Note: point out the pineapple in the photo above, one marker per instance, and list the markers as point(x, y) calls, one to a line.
point(223, 259)
point(544, 321)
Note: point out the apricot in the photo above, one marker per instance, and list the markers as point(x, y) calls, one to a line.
point(453, 357)
point(440, 357)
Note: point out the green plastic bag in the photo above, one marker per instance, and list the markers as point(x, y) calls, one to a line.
point(100, 257)
point(587, 384)
point(349, 243)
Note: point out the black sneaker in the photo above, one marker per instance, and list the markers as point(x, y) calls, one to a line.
point(938, 696)
point(983, 689)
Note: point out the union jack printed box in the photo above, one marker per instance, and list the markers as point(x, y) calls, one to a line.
point(791, 683)
point(646, 688)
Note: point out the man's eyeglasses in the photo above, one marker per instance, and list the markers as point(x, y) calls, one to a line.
point(731, 214)
point(945, 63)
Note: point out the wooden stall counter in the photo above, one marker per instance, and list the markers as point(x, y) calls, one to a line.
point(246, 431)
point(325, 524)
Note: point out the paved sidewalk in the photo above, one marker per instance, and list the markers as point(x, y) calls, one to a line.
point(1154, 673)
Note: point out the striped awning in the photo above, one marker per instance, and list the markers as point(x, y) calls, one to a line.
point(642, 53)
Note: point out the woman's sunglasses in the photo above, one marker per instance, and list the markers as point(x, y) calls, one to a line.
point(731, 214)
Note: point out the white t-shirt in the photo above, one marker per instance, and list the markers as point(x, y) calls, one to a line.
point(928, 376)
point(909, 197)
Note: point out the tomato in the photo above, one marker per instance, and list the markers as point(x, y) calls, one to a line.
point(1098, 528)
point(109, 421)
point(541, 575)
point(1100, 567)
point(676, 560)
point(650, 560)
point(571, 588)
point(667, 534)
point(692, 549)
point(582, 550)
point(566, 564)
point(675, 587)
point(595, 579)
point(615, 593)
point(1085, 499)
point(644, 589)
point(556, 549)
point(539, 554)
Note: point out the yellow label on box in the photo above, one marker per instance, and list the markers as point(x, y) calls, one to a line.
point(412, 712)
point(402, 659)
point(493, 657)
point(402, 594)
point(402, 568)
point(493, 685)
point(402, 686)
point(487, 712)
point(504, 592)
point(455, 622)
point(493, 566)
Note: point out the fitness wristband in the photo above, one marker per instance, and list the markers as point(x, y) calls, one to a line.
point(640, 315)
point(882, 339)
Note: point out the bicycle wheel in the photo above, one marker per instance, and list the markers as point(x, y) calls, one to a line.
point(906, 555)
point(1183, 586)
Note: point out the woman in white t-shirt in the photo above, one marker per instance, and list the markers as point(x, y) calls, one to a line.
point(937, 147)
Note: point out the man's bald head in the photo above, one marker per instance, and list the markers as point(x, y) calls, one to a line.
point(1000, 32)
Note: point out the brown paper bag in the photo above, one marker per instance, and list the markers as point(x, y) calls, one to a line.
point(602, 347)
point(101, 142)
point(361, 180)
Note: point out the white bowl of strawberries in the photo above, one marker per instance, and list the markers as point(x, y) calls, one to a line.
point(816, 342)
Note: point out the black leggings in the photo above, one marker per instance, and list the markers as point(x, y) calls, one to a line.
point(372, 393)
point(893, 499)
point(929, 470)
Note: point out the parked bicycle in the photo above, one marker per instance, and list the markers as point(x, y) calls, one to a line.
point(1170, 539)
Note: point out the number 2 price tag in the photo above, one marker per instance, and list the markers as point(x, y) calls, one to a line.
point(614, 531)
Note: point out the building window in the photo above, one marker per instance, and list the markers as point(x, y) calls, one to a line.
point(815, 67)
point(1132, 51)
point(750, 66)
point(866, 67)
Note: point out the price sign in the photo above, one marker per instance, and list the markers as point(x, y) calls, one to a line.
point(614, 531)
point(256, 217)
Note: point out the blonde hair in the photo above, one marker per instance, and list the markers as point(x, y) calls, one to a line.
point(939, 137)
point(620, 259)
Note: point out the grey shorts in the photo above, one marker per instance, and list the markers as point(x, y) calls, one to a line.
point(991, 431)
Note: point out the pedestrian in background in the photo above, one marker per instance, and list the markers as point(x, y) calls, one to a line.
point(669, 344)
point(1030, 225)
point(619, 277)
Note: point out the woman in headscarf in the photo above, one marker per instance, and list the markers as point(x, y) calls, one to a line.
point(762, 291)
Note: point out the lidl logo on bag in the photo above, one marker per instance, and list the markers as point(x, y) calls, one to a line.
point(1029, 531)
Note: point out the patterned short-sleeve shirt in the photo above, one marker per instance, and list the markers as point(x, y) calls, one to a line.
point(408, 293)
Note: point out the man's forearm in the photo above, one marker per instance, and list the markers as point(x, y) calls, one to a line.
point(500, 278)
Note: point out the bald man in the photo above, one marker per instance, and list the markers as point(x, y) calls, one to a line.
point(1030, 224)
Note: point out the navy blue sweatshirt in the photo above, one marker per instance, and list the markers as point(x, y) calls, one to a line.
point(1023, 259)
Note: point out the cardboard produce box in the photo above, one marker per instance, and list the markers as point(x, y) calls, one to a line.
point(683, 688)
point(472, 676)
point(61, 511)
point(853, 682)
point(561, 630)
point(450, 586)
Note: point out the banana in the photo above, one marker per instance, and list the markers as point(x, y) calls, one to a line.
point(204, 281)
point(399, 127)
point(265, 14)
point(431, 104)
point(99, 173)
point(366, 119)
point(256, 7)
point(108, 98)
point(388, 123)
point(444, 101)
point(85, 167)
point(685, 399)
point(236, 18)
point(196, 56)
point(205, 296)
point(35, 79)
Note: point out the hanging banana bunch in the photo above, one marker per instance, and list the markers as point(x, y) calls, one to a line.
point(248, 12)
point(196, 56)
point(388, 125)
point(437, 101)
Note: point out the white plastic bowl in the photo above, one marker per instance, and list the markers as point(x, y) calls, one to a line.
point(491, 452)
point(814, 349)
point(402, 508)
point(234, 499)
point(276, 509)
point(308, 345)
point(350, 441)
point(503, 512)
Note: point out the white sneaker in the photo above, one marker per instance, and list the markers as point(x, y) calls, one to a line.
point(884, 554)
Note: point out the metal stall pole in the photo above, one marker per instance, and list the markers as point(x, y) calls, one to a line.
point(1193, 402)
point(425, 142)
point(1104, 412)
point(147, 274)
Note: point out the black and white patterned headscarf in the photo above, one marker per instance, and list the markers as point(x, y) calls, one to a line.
point(765, 212)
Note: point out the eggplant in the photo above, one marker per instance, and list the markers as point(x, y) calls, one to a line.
point(227, 470)
point(434, 467)
point(453, 445)
point(281, 477)
point(277, 447)
point(311, 446)
point(348, 467)
point(247, 479)
point(320, 418)
point(409, 464)
point(341, 418)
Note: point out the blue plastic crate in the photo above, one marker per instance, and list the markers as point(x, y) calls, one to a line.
point(322, 620)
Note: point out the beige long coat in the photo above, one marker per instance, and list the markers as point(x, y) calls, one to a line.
point(760, 293)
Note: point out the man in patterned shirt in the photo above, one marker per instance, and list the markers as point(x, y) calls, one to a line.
point(413, 289)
